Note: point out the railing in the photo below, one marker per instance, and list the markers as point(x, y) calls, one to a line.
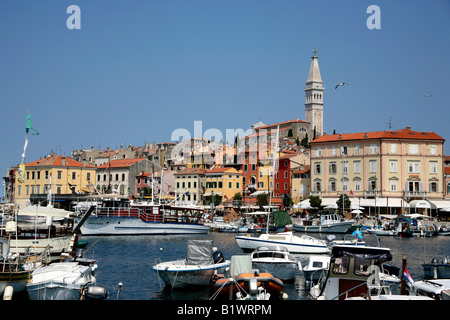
point(161, 216)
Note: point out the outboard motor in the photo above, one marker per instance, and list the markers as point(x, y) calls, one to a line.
point(218, 257)
point(95, 293)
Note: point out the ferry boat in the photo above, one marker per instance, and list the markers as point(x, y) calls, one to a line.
point(121, 216)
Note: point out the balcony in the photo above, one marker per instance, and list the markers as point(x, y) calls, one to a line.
point(416, 194)
point(370, 193)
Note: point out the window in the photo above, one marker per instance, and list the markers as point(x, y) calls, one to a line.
point(317, 186)
point(393, 166)
point(318, 152)
point(433, 186)
point(373, 166)
point(277, 186)
point(413, 148)
point(195, 184)
point(317, 168)
point(88, 176)
point(345, 185)
point(345, 166)
point(393, 184)
point(393, 148)
point(237, 185)
point(59, 175)
point(373, 149)
point(433, 149)
point(341, 265)
point(285, 186)
point(413, 166)
point(46, 174)
point(357, 150)
point(344, 150)
point(245, 167)
point(357, 185)
point(332, 186)
point(38, 175)
point(433, 167)
point(333, 151)
point(333, 168)
point(372, 185)
point(230, 185)
point(285, 174)
point(357, 166)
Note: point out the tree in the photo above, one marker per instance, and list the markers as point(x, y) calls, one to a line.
point(262, 199)
point(304, 141)
point(347, 202)
point(237, 196)
point(315, 201)
point(290, 133)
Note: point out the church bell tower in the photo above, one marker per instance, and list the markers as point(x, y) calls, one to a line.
point(314, 99)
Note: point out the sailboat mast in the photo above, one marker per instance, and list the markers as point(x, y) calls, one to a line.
point(273, 177)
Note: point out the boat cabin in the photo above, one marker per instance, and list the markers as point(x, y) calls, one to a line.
point(353, 272)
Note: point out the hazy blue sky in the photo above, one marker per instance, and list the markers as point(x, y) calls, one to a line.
point(137, 70)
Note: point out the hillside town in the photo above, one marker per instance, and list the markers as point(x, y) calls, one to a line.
point(385, 172)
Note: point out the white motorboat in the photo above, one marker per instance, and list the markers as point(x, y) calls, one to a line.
point(293, 243)
point(435, 288)
point(196, 269)
point(316, 267)
point(327, 223)
point(354, 274)
point(61, 281)
point(381, 232)
point(277, 261)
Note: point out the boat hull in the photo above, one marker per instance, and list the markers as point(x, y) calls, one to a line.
point(53, 291)
point(17, 280)
point(342, 227)
point(178, 275)
point(284, 271)
point(57, 245)
point(252, 243)
point(135, 226)
point(436, 271)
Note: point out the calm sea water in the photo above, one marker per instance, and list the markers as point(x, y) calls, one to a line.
point(129, 260)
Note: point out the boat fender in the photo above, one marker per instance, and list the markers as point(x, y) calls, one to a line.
point(218, 257)
point(8, 293)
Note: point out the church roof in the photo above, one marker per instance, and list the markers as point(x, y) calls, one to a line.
point(314, 71)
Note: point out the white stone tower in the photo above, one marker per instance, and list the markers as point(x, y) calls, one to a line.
point(314, 98)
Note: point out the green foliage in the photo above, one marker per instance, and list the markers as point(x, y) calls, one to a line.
point(315, 201)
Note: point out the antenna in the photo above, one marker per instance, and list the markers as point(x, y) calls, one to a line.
point(390, 123)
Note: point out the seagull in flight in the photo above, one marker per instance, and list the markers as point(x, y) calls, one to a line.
point(340, 84)
point(428, 95)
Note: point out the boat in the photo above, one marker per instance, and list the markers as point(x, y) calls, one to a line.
point(356, 239)
point(122, 216)
point(437, 269)
point(201, 262)
point(435, 289)
point(277, 261)
point(34, 239)
point(246, 283)
point(61, 281)
point(316, 267)
point(381, 231)
point(327, 223)
point(293, 243)
point(354, 274)
point(15, 270)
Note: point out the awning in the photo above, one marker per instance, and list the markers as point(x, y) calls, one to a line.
point(421, 204)
point(440, 204)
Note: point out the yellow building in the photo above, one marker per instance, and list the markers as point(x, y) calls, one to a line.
point(61, 173)
point(223, 181)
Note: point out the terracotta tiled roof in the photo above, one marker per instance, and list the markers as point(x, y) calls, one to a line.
point(222, 170)
point(57, 161)
point(397, 134)
point(120, 163)
point(447, 170)
point(191, 171)
point(281, 123)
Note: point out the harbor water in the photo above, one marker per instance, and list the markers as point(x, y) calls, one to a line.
point(129, 259)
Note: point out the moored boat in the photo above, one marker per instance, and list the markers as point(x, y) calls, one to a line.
point(246, 283)
point(120, 216)
point(201, 262)
point(437, 269)
point(293, 243)
point(327, 223)
point(277, 261)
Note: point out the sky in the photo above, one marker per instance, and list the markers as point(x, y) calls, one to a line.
point(137, 70)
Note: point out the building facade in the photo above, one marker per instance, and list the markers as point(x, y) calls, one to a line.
point(190, 185)
point(386, 165)
point(55, 173)
point(223, 181)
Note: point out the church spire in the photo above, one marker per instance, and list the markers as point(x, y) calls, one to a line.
point(314, 97)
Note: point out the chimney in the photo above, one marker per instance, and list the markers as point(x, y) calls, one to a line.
point(408, 127)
